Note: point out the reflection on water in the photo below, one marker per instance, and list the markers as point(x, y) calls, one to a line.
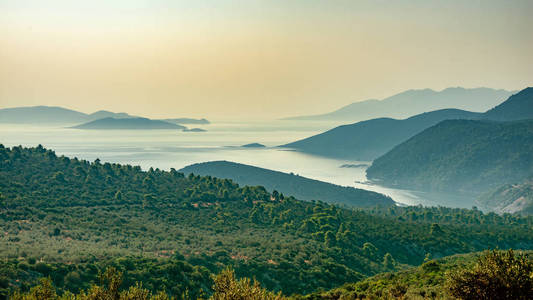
point(167, 149)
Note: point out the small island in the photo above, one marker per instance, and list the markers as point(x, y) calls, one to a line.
point(187, 121)
point(194, 130)
point(253, 145)
point(354, 166)
point(128, 124)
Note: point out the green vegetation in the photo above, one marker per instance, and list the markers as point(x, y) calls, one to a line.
point(491, 275)
point(70, 219)
point(460, 155)
point(518, 107)
point(289, 184)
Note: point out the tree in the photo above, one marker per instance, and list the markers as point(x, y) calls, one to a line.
point(227, 287)
point(330, 239)
point(388, 261)
point(496, 275)
point(435, 229)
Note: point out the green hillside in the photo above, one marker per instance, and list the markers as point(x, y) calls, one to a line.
point(460, 156)
point(289, 184)
point(370, 139)
point(518, 107)
point(434, 279)
point(68, 219)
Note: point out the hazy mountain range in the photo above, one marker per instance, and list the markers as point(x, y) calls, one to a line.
point(60, 115)
point(289, 184)
point(369, 139)
point(412, 102)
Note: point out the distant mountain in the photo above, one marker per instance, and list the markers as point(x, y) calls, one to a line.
point(59, 115)
point(370, 139)
point(414, 102)
point(41, 115)
point(187, 121)
point(510, 198)
point(107, 114)
point(128, 124)
point(517, 107)
point(460, 156)
point(289, 184)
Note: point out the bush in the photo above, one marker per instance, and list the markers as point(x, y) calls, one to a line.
point(496, 275)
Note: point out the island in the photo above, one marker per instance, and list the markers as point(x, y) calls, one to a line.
point(128, 124)
point(194, 130)
point(187, 121)
point(253, 145)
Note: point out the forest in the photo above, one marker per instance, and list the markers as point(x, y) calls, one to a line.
point(70, 220)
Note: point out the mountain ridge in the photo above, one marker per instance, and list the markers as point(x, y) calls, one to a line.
point(367, 140)
point(461, 156)
point(42, 114)
point(289, 184)
point(401, 105)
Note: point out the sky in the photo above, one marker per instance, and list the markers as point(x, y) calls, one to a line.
point(254, 59)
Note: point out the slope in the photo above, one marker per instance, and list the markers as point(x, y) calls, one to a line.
point(370, 139)
point(289, 184)
point(414, 102)
point(64, 218)
point(460, 156)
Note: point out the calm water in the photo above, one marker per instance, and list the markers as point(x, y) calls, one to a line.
point(167, 149)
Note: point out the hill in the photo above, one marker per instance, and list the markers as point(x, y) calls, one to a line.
point(370, 139)
point(510, 198)
point(432, 279)
point(59, 115)
point(68, 219)
point(517, 107)
point(101, 114)
point(460, 156)
point(40, 115)
point(289, 184)
point(412, 102)
point(128, 124)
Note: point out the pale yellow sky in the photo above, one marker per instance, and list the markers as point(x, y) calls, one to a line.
point(254, 59)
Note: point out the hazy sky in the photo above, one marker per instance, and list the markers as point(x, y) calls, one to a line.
point(254, 59)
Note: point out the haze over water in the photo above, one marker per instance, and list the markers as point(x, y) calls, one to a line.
point(165, 149)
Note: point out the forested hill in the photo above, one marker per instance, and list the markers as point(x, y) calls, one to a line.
point(518, 107)
point(460, 155)
point(289, 184)
point(370, 139)
point(68, 219)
